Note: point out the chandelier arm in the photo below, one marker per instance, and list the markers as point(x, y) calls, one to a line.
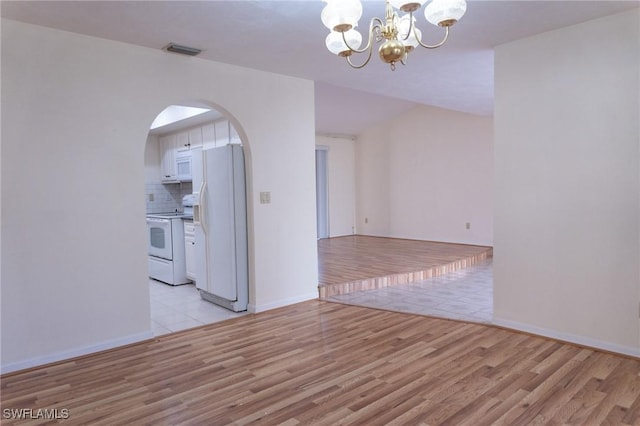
point(433, 46)
point(412, 28)
point(360, 66)
point(372, 26)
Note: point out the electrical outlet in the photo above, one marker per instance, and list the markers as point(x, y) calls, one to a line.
point(151, 197)
point(467, 225)
point(366, 220)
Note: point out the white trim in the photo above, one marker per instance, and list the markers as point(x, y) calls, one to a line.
point(254, 309)
point(60, 356)
point(568, 337)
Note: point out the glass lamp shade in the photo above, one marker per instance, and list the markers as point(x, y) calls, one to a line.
point(445, 12)
point(336, 45)
point(404, 28)
point(341, 15)
point(407, 5)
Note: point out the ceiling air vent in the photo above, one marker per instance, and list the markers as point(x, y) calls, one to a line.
point(183, 50)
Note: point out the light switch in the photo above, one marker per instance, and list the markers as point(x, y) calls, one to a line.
point(265, 198)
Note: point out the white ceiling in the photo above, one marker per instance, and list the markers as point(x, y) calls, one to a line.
point(287, 37)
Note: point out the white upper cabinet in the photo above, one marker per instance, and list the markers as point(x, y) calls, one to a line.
point(175, 148)
point(219, 133)
point(222, 132)
point(189, 139)
point(182, 141)
point(195, 137)
point(233, 135)
point(208, 136)
point(167, 144)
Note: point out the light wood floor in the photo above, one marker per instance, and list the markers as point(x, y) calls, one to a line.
point(322, 363)
point(356, 263)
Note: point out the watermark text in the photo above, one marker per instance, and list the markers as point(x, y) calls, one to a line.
point(36, 413)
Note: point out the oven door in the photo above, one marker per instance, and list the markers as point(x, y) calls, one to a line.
point(159, 237)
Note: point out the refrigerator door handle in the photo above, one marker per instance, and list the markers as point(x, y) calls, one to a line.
point(199, 212)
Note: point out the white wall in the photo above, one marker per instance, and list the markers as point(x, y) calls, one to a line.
point(372, 181)
point(76, 112)
point(425, 174)
point(152, 160)
point(567, 210)
point(341, 179)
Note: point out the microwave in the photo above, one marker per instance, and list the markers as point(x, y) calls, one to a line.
point(183, 166)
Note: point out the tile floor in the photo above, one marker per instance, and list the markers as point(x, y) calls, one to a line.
point(175, 308)
point(465, 295)
point(462, 295)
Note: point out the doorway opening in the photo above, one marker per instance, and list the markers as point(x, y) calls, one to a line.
point(322, 191)
point(178, 244)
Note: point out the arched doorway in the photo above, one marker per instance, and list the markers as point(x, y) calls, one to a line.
point(181, 140)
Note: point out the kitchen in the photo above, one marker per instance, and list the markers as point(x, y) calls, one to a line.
point(195, 188)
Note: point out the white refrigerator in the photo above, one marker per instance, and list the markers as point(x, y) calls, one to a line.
point(220, 219)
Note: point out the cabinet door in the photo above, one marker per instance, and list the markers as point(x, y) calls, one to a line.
point(182, 141)
point(167, 145)
point(195, 137)
point(190, 257)
point(208, 136)
point(222, 132)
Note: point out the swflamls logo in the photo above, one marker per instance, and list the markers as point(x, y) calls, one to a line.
point(36, 414)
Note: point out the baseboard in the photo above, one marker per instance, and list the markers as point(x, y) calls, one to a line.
point(568, 337)
point(73, 353)
point(254, 309)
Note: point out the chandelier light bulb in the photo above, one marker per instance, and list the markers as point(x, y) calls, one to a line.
point(336, 45)
point(445, 12)
point(404, 28)
point(341, 15)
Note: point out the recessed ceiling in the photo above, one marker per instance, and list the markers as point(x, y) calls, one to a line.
point(287, 37)
point(175, 113)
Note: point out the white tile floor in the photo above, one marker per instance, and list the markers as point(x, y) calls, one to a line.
point(465, 295)
point(175, 308)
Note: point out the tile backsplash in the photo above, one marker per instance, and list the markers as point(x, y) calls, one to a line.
point(164, 198)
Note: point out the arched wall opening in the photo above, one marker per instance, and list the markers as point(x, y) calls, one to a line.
point(178, 137)
point(74, 251)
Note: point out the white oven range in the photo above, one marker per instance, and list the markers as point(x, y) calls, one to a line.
point(165, 240)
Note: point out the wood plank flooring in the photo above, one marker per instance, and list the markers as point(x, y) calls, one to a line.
point(357, 263)
point(321, 363)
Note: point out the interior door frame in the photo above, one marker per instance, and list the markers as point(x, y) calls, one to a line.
point(322, 191)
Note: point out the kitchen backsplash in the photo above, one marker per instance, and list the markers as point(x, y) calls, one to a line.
point(161, 198)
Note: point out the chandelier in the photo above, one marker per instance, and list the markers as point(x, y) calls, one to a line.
point(400, 33)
